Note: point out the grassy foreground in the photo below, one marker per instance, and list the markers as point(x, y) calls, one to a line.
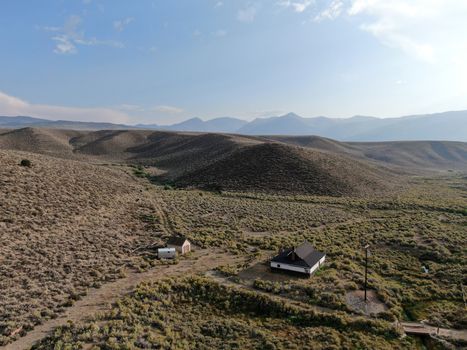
point(199, 313)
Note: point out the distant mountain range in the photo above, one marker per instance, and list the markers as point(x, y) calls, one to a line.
point(223, 125)
point(450, 126)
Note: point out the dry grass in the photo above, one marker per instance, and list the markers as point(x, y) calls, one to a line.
point(64, 226)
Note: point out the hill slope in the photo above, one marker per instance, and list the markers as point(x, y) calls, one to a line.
point(272, 167)
point(285, 164)
point(427, 155)
point(64, 226)
point(44, 141)
point(21, 122)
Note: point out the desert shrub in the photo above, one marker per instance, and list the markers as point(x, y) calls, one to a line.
point(26, 163)
point(199, 313)
point(139, 171)
point(271, 287)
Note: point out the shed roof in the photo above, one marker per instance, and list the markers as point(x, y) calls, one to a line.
point(306, 256)
point(177, 240)
point(166, 250)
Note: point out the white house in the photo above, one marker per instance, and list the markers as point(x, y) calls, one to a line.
point(166, 253)
point(303, 259)
point(181, 244)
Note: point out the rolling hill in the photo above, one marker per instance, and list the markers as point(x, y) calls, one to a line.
point(44, 141)
point(21, 122)
point(280, 164)
point(272, 167)
point(410, 155)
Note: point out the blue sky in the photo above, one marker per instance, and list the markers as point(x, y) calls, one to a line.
point(162, 61)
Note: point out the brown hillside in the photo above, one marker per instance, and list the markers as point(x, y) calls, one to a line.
point(410, 155)
point(431, 155)
point(181, 153)
point(321, 143)
point(272, 167)
point(44, 141)
point(64, 226)
point(318, 165)
point(111, 144)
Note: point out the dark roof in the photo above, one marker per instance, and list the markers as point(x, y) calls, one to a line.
point(304, 249)
point(306, 256)
point(176, 240)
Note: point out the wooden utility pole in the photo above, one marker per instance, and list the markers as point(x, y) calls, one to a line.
point(463, 295)
point(366, 269)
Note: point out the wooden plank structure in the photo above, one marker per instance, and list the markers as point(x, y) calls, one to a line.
point(420, 329)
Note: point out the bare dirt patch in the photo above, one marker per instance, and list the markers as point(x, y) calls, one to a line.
point(355, 301)
point(262, 271)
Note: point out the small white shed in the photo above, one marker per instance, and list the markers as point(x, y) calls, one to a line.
point(181, 244)
point(166, 253)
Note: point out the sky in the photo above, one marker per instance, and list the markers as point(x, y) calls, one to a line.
point(163, 61)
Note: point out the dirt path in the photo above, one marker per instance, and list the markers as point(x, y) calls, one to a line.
point(101, 299)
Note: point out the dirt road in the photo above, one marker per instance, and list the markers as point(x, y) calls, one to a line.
point(101, 299)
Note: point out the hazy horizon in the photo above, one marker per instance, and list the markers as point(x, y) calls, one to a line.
point(232, 117)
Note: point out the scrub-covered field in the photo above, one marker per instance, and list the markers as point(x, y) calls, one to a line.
point(68, 225)
point(198, 313)
point(417, 240)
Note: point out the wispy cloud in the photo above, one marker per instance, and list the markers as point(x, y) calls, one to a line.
point(124, 113)
point(331, 12)
point(219, 33)
point(218, 4)
point(397, 23)
point(424, 29)
point(247, 14)
point(13, 106)
point(161, 109)
point(64, 45)
point(121, 24)
point(71, 35)
point(297, 5)
point(167, 109)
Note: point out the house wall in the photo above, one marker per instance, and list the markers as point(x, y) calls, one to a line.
point(186, 248)
point(288, 267)
point(317, 265)
point(305, 270)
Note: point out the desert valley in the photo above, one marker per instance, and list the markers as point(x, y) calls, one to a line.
point(82, 218)
point(233, 175)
